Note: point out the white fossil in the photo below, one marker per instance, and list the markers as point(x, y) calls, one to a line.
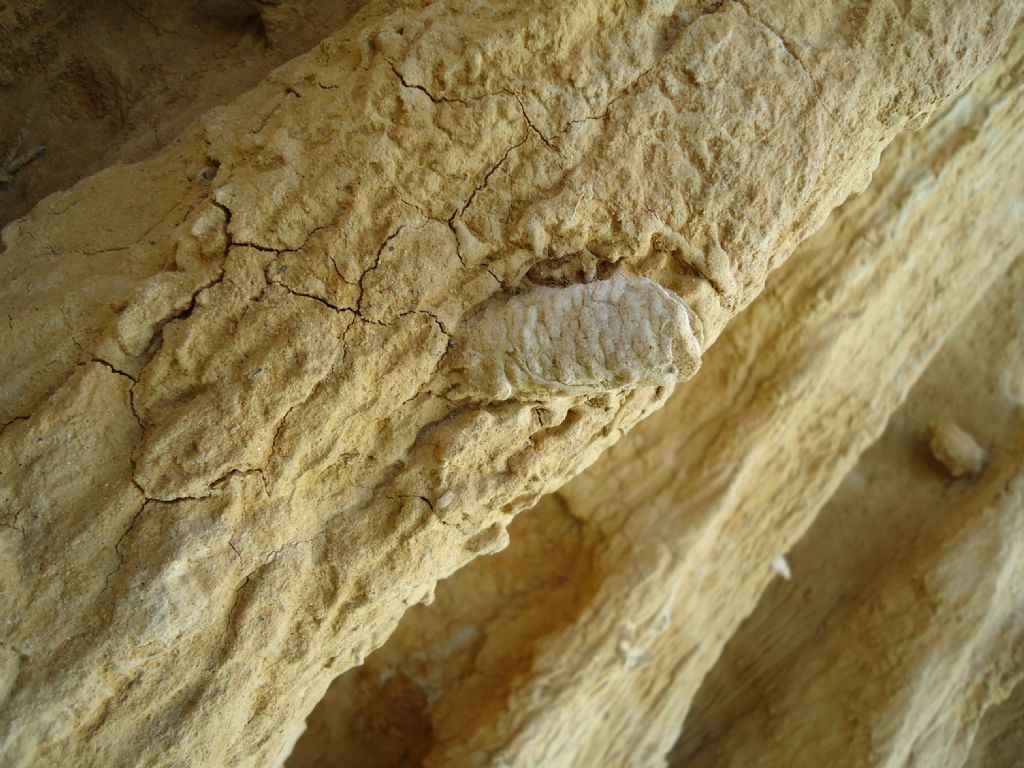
point(582, 339)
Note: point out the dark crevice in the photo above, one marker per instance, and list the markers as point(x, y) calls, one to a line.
point(136, 12)
point(317, 299)
point(227, 217)
point(235, 550)
point(102, 251)
point(458, 250)
point(529, 122)
point(415, 207)
point(288, 91)
point(187, 312)
point(216, 484)
point(284, 420)
point(414, 86)
point(337, 271)
point(309, 234)
point(14, 420)
point(607, 107)
point(487, 177)
point(376, 264)
point(232, 243)
point(258, 247)
point(134, 411)
point(112, 369)
point(429, 314)
point(458, 245)
point(117, 546)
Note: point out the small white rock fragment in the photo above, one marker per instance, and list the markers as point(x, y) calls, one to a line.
point(781, 566)
point(446, 500)
point(958, 452)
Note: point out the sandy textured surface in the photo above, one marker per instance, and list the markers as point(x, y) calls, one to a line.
point(666, 543)
point(250, 418)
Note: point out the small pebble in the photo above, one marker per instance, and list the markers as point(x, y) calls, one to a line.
point(958, 452)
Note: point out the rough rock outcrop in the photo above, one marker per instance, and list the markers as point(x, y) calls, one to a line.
point(232, 456)
point(666, 543)
point(904, 623)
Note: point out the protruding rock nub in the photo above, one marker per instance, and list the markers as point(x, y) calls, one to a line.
point(578, 340)
point(959, 453)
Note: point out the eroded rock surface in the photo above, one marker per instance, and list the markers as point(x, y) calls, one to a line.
point(228, 453)
point(904, 624)
point(684, 521)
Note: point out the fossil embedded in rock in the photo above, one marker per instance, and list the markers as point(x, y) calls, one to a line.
point(582, 339)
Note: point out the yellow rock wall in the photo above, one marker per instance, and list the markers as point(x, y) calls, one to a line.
point(264, 389)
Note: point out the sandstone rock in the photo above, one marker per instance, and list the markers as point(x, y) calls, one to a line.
point(906, 623)
point(681, 522)
point(228, 466)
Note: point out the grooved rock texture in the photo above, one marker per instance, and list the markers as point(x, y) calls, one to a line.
point(907, 623)
point(263, 390)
